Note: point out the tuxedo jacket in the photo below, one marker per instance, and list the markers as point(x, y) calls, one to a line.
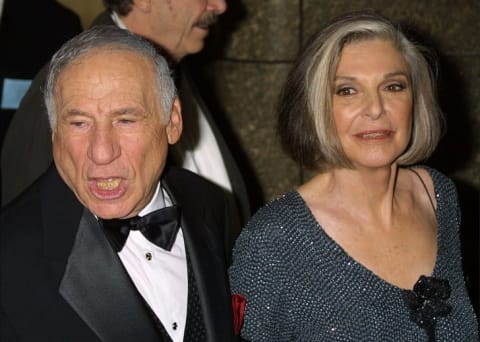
point(27, 147)
point(60, 279)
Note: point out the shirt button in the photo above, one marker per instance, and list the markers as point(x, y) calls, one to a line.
point(174, 325)
point(148, 256)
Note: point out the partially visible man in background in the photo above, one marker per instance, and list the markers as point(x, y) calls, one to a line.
point(179, 27)
point(26, 44)
point(110, 244)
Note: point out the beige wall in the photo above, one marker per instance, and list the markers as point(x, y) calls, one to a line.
point(86, 9)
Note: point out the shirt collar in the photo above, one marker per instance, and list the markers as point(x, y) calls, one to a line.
point(116, 19)
point(157, 202)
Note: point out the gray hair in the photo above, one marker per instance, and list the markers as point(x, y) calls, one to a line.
point(306, 126)
point(112, 38)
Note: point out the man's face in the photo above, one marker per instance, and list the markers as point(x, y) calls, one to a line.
point(181, 26)
point(111, 136)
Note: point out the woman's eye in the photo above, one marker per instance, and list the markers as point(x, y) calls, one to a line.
point(395, 87)
point(345, 91)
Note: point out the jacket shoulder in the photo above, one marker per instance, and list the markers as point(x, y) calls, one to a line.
point(186, 184)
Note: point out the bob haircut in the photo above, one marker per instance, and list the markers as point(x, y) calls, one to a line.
point(108, 38)
point(305, 119)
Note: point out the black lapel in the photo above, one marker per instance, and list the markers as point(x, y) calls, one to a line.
point(98, 288)
point(199, 225)
point(91, 277)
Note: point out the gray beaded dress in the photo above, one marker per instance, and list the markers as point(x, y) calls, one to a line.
point(300, 285)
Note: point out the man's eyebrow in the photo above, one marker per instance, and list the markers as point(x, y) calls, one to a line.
point(128, 110)
point(115, 112)
point(74, 112)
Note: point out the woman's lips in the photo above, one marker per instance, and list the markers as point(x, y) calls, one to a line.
point(374, 135)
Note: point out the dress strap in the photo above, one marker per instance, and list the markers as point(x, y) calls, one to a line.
point(425, 187)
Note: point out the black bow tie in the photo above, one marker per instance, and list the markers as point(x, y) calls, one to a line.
point(159, 227)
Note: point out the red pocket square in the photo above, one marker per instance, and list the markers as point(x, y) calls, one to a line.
point(238, 305)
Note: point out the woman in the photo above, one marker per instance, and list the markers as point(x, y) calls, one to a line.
point(368, 249)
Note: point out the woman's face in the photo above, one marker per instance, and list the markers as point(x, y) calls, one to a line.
point(372, 103)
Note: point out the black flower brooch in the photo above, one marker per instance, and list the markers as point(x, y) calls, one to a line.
point(427, 302)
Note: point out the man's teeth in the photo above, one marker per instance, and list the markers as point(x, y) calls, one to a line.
point(108, 184)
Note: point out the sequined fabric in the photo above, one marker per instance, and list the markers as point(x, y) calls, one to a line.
point(301, 286)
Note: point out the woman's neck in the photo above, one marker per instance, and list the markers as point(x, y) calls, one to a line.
point(370, 195)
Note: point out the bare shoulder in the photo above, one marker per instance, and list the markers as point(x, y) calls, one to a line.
point(421, 184)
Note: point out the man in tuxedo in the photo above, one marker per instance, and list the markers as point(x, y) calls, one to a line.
point(109, 244)
point(179, 27)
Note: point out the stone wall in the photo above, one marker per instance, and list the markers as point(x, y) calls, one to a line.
point(87, 10)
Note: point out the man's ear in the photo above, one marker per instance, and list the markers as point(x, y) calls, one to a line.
point(52, 134)
point(175, 124)
point(143, 5)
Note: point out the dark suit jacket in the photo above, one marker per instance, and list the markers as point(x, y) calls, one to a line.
point(60, 280)
point(27, 149)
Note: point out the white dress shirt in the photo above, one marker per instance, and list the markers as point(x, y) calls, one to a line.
point(198, 145)
point(160, 276)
